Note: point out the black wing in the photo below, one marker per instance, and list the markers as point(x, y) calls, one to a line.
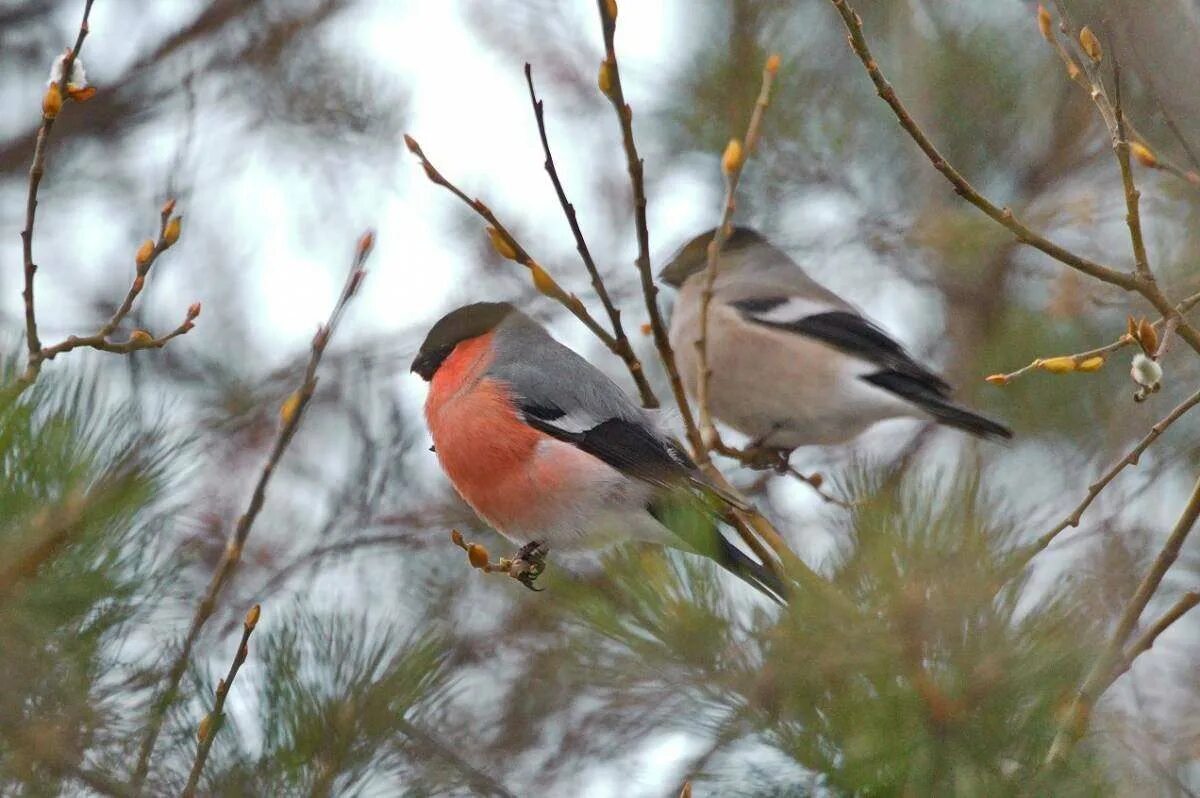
point(849, 333)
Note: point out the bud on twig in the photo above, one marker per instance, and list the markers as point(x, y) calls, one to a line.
point(773, 63)
point(1092, 364)
point(1147, 336)
point(478, 556)
point(1144, 154)
point(205, 727)
point(287, 411)
point(193, 311)
point(1045, 24)
point(501, 245)
point(366, 243)
point(172, 230)
point(997, 379)
point(252, 616)
point(457, 538)
point(144, 253)
point(168, 208)
point(52, 101)
point(545, 284)
point(731, 161)
point(604, 77)
point(1090, 44)
point(1057, 365)
point(140, 337)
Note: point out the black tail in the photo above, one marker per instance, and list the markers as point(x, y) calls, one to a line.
point(698, 531)
point(935, 402)
point(752, 573)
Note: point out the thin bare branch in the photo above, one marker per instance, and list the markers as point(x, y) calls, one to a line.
point(509, 247)
point(1130, 459)
point(37, 355)
point(1074, 722)
point(622, 347)
point(732, 164)
point(213, 720)
point(292, 413)
point(1146, 640)
point(1130, 281)
point(36, 170)
point(611, 71)
point(1133, 217)
point(962, 187)
point(1164, 326)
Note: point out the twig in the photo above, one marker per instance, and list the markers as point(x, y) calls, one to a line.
point(168, 233)
point(1130, 459)
point(611, 72)
point(1129, 281)
point(1003, 216)
point(509, 247)
point(1132, 195)
point(1146, 640)
point(732, 164)
point(622, 347)
point(292, 412)
point(1074, 721)
point(1167, 327)
point(212, 721)
point(36, 170)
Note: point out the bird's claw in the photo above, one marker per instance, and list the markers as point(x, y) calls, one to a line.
point(525, 566)
point(529, 563)
point(766, 459)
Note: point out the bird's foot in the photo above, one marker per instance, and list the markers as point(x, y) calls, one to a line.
point(525, 566)
point(761, 458)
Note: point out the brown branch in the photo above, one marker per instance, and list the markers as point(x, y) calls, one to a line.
point(36, 170)
point(622, 347)
point(1146, 640)
point(168, 233)
point(732, 164)
point(1132, 214)
point(751, 526)
point(1129, 281)
point(1003, 216)
point(291, 413)
point(1074, 721)
point(611, 83)
point(510, 248)
point(1166, 325)
point(1130, 459)
point(140, 339)
point(212, 722)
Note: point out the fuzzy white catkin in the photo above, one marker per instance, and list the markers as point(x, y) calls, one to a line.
point(1145, 372)
point(78, 78)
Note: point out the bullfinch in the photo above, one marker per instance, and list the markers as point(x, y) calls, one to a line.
point(550, 452)
point(793, 364)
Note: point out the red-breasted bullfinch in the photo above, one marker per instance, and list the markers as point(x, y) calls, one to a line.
point(547, 449)
point(793, 364)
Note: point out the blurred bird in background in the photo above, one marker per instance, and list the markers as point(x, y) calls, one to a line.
point(552, 453)
point(793, 364)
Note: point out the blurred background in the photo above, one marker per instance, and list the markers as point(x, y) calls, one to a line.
point(383, 664)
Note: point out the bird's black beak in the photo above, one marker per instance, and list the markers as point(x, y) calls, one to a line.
point(423, 367)
point(427, 362)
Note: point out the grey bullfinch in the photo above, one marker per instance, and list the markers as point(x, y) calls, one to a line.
point(793, 364)
point(548, 450)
